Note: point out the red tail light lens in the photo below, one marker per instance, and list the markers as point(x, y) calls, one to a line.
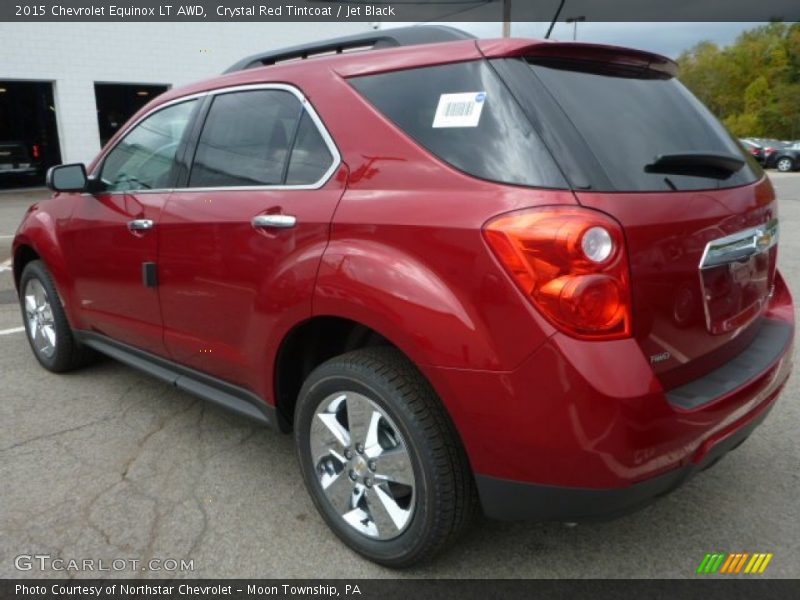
point(35, 151)
point(571, 263)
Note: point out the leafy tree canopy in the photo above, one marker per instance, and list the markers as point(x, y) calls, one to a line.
point(753, 85)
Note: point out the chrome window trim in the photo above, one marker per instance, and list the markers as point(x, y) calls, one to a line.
point(307, 106)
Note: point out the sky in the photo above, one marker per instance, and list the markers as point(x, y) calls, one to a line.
point(669, 39)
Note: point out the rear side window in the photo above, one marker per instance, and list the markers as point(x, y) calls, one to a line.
point(310, 157)
point(246, 139)
point(464, 115)
point(627, 120)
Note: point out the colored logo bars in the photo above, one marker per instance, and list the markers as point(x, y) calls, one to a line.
point(741, 562)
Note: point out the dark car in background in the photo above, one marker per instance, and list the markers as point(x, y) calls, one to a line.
point(785, 158)
point(19, 158)
point(755, 149)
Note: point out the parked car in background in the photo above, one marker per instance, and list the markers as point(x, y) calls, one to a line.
point(784, 158)
point(19, 159)
point(533, 277)
point(755, 149)
point(770, 146)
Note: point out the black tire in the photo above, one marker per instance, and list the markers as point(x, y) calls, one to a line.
point(445, 498)
point(784, 164)
point(68, 353)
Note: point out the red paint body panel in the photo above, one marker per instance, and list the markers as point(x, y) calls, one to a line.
point(230, 292)
point(666, 234)
point(393, 241)
point(104, 259)
point(593, 415)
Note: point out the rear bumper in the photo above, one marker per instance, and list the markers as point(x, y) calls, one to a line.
point(513, 500)
point(583, 430)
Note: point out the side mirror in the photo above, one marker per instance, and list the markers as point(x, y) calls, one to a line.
point(67, 178)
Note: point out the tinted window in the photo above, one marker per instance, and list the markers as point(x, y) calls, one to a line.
point(310, 156)
point(626, 121)
point(500, 145)
point(144, 159)
point(246, 139)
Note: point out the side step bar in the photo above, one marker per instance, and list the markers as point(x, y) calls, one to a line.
point(226, 395)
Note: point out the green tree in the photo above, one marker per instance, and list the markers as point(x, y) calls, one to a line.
point(753, 85)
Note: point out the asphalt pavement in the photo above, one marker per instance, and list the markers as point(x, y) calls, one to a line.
point(107, 463)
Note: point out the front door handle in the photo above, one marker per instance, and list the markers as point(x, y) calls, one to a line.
point(274, 221)
point(140, 224)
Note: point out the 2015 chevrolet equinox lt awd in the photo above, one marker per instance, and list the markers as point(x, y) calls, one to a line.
point(531, 277)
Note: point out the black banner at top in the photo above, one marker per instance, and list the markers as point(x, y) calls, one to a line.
point(400, 10)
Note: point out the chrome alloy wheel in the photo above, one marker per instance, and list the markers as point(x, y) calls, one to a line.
point(784, 165)
point(363, 465)
point(39, 317)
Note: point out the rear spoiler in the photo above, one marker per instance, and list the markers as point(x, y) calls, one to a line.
point(626, 58)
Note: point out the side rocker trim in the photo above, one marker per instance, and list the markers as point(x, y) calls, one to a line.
point(234, 398)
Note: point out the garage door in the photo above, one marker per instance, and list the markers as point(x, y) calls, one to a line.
point(28, 132)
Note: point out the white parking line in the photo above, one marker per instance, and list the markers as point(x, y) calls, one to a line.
point(6, 237)
point(13, 330)
point(5, 266)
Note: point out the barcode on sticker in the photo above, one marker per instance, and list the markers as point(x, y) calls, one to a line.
point(459, 110)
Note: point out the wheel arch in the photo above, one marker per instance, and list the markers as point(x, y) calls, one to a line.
point(23, 254)
point(307, 345)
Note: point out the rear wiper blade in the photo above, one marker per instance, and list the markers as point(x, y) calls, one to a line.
point(715, 165)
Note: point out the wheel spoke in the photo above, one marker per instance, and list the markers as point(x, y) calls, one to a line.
point(371, 445)
point(328, 436)
point(50, 335)
point(388, 516)
point(359, 418)
point(30, 304)
point(361, 520)
point(395, 465)
point(40, 296)
point(340, 492)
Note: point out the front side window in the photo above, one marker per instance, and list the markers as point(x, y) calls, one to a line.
point(258, 138)
point(145, 158)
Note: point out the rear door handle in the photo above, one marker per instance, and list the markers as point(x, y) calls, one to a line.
point(274, 221)
point(140, 224)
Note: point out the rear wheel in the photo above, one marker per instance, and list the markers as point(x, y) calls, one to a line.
point(785, 164)
point(46, 325)
point(381, 458)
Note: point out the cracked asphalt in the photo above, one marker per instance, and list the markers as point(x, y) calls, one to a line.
point(107, 463)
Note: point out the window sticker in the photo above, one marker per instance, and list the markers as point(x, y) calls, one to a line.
point(459, 110)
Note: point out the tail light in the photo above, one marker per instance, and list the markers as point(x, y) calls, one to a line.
point(35, 151)
point(571, 263)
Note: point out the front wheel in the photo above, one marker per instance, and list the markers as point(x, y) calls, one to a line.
point(381, 458)
point(46, 324)
point(785, 165)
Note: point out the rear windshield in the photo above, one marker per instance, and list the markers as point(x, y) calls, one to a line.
point(464, 115)
point(627, 119)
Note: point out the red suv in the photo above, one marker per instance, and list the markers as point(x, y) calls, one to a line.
point(532, 277)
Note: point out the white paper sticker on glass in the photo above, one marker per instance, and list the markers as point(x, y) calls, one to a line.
point(459, 110)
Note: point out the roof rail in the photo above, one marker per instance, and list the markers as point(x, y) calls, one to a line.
point(372, 40)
